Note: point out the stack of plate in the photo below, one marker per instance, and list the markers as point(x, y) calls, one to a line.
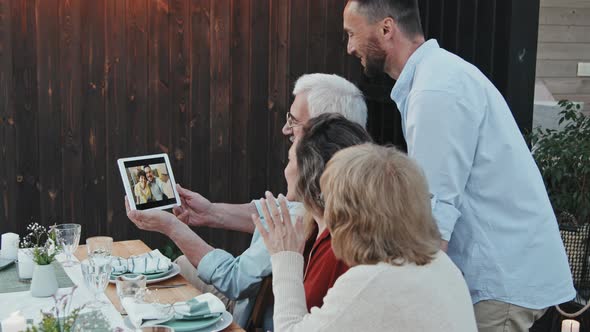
point(153, 277)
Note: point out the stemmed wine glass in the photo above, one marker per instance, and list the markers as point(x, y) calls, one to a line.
point(68, 237)
point(96, 277)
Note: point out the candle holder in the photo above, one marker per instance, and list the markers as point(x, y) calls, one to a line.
point(25, 265)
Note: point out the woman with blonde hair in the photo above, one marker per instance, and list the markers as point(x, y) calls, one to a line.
point(377, 209)
point(143, 193)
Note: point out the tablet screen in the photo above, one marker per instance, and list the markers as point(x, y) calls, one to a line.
point(150, 182)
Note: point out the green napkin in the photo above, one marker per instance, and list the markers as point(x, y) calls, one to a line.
point(149, 263)
point(201, 307)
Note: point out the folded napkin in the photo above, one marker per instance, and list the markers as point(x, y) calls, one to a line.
point(201, 307)
point(149, 263)
point(147, 314)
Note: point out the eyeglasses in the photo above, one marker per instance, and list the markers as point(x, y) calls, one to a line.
point(291, 121)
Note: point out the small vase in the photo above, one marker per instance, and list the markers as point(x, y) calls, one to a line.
point(25, 264)
point(44, 282)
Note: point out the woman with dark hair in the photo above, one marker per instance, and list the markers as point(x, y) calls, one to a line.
point(143, 194)
point(323, 137)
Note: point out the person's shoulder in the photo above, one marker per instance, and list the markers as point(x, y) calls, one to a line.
point(442, 70)
point(364, 273)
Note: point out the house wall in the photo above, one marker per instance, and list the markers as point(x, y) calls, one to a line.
point(564, 41)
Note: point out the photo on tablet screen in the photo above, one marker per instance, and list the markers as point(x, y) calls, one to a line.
point(150, 182)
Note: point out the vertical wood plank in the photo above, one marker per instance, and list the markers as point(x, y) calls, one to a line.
point(335, 41)
point(137, 76)
point(200, 98)
point(137, 84)
point(298, 39)
point(70, 91)
point(159, 110)
point(424, 16)
point(467, 30)
point(450, 25)
point(435, 19)
point(47, 34)
point(27, 195)
point(220, 120)
point(200, 101)
point(279, 83)
point(520, 87)
point(7, 124)
point(263, 96)
point(93, 103)
point(180, 77)
point(501, 43)
point(240, 101)
point(484, 49)
point(240, 111)
point(117, 146)
point(316, 43)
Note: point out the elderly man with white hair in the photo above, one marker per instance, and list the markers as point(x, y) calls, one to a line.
point(239, 278)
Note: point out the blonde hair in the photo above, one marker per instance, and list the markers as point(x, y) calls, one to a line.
point(377, 207)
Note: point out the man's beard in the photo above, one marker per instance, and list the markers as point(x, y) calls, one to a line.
point(374, 59)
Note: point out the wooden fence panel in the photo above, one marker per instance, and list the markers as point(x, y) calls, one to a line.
point(26, 120)
point(116, 101)
point(70, 91)
point(7, 122)
point(83, 83)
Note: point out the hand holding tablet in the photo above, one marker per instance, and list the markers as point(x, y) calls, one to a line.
point(149, 182)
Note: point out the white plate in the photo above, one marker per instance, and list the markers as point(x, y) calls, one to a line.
point(174, 271)
point(224, 322)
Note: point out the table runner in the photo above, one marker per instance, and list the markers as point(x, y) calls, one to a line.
point(10, 283)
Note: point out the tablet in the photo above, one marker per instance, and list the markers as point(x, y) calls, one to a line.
point(149, 182)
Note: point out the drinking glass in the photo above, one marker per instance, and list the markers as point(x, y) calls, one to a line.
point(68, 237)
point(96, 277)
point(131, 285)
point(99, 248)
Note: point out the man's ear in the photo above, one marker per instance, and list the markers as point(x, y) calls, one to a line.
point(388, 27)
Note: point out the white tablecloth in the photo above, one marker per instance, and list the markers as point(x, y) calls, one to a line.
point(30, 307)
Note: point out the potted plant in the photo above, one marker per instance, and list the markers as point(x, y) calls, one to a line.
point(563, 157)
point(41, 249)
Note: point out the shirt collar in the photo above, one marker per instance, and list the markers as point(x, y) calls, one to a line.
point(323, 237)
point(403, 84)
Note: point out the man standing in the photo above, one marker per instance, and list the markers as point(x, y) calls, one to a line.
point(154, 183)
point(489, 200)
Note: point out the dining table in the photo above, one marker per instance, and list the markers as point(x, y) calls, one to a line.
point(31, 307)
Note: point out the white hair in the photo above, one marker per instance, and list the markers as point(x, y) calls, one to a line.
point(332, 94)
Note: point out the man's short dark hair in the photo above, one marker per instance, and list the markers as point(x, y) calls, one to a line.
point(405, 13)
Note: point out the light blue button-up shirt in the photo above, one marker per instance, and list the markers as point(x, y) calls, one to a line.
point(489, 200)
point(239, 278)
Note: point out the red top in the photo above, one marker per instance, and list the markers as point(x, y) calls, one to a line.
point(322, 269)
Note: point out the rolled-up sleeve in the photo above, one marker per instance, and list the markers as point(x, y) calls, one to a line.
point(442, 135)
point(239, 277)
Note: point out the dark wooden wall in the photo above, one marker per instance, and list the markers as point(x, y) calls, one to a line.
point(83, 83)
